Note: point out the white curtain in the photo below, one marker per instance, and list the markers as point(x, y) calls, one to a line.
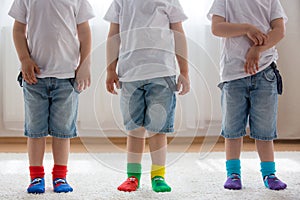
point(197, 114)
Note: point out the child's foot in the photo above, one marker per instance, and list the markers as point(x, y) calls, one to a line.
point(37, 186)
point(273, 183)
point(130, 185)
point(159, 184)
point(61, 185)
point(233, 182)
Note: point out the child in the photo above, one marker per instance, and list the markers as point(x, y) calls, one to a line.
point(50, 38)
point(146, 74)
point(250, 30)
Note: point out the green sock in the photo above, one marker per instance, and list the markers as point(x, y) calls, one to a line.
point(134, 169)
point(159, 185)
point(157, 179)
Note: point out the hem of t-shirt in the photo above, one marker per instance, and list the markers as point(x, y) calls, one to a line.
point(17, 18)
point(245, 75)
point(151, 76)
point(58, 76)
point(178, 19)
point(111, 19)
point(209, 15)
point(85, 19)
point(285, 19)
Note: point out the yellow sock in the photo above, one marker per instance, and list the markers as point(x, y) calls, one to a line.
point(158, 170)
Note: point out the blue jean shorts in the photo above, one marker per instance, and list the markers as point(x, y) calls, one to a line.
point(50, 108)
point(149, 104)
point(254, 98)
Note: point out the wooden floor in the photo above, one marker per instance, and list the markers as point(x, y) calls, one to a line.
point(118, 145)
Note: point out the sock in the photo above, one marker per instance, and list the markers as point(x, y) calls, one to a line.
point(158, 179)
point(59, 171)
point(60, 183)
point(233, 167)
point(37, 184)
point(36, 172)
point(267, 168)
point(134, 169)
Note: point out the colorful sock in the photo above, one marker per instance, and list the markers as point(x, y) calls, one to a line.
point(233, 167)
point(59, 171)
point(269, 178)
point(157, 179)
point(233, 181)
point(132, 183)
point(36, 172)
point(134, 169)
point(267, 168)
point(60, 183)
point(37, 184)
point(273, 183)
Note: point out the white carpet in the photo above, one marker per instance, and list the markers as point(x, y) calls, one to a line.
point(96, 176)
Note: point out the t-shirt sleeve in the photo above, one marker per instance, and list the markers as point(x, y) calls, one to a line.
point(18, 11)
point(277, 11)
point(176, 13)
point(113, 13)
point(85, 12)
point(218, 8)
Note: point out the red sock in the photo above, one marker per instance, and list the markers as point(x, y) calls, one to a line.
point(36, 172)
point(59, 171)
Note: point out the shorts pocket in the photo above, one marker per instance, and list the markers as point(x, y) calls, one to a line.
point(269, 75)
point(74, 85)
point(171, 81)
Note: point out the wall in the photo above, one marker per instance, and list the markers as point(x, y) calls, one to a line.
point(198, 113)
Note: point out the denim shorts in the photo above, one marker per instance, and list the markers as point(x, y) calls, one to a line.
point(254, 98)
point(150, 104)
point(50, 108)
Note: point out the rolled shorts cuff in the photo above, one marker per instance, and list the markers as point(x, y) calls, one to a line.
point(233, 136)
point(63, 135)
point(36, 135)
point(134, 126)
point(264, 137)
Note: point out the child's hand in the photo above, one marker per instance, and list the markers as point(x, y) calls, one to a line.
point(112, 79)
point(29, 69)
point(183, 83)
point(256, 36)
point(83, 77)
point(252, 58)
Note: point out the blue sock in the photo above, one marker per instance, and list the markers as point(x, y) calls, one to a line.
point(233, 167)
point(267, 168)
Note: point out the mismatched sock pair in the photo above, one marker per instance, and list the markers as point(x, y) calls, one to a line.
point(134, 174)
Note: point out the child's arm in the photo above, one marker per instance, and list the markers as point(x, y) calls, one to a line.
point(275, 35)
point(181, 55)
point(225, 29)
point(83, 72)
point(112, 54)
point(29, 67)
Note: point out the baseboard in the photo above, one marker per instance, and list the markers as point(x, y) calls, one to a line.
point(122, 140)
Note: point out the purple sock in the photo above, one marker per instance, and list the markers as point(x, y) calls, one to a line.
point(273, 183)
point(233, 182)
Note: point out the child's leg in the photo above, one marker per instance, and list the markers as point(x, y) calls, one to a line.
point(158, 149)
point(233, 150)
point(61, 150)
point(135, 149)
point(36, 150)
point(266, 153)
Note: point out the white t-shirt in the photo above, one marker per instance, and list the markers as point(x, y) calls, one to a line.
point(52, 33)
point(147, 43)
point(259, 13)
